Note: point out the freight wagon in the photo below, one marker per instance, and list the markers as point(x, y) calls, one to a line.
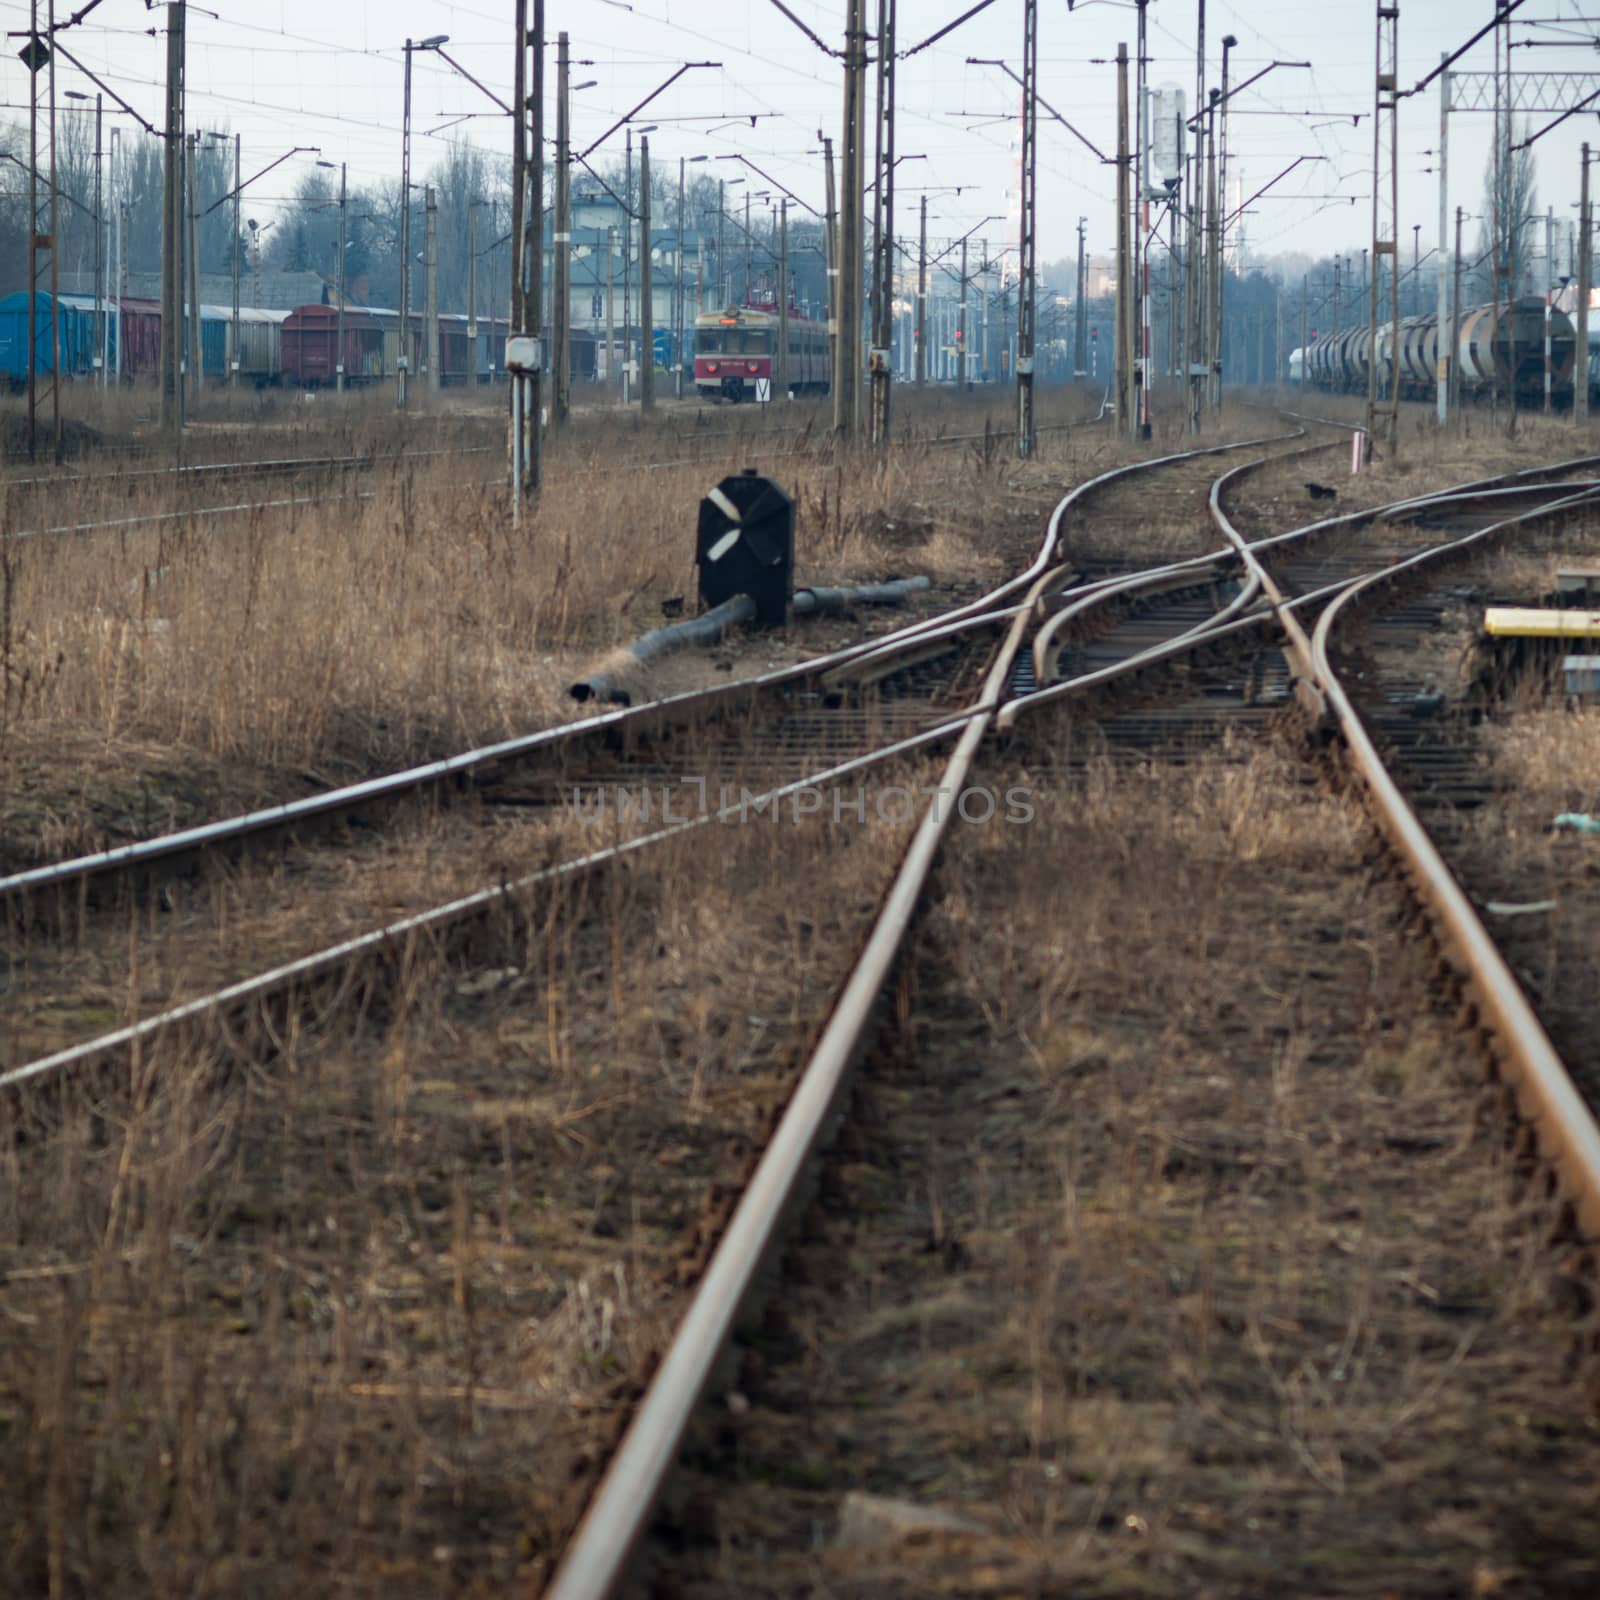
point(75, 324)
point(372, 346)
point(1497, 348)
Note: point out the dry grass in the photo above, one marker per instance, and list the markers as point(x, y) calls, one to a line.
point(374, 1306)
point(1168, 1253)
point(289, 649)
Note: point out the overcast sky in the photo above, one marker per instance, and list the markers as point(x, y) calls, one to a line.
point(329, 73)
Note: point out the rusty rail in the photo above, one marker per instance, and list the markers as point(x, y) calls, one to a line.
point(1562, 1122)
point(597, 1560)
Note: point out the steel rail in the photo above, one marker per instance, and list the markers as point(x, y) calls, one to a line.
point(954, 622)
point(1047, 642)
point(596, 1560)
point(887, 653)
point(1526, 481)
point(868, 659)
point(1044, 643)
point(1563, 1123)
point(621, 722)
point(1211, 631)
point(152, 518)
point(1237, 615)
point(179, 472)
point(901, 647)
point(264, 986)
point(466, 419)
point(196, 471)
point(123, 524)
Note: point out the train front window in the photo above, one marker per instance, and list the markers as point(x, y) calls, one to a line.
point(733, 342)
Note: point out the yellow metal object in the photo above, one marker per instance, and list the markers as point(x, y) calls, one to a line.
point(1524, 622)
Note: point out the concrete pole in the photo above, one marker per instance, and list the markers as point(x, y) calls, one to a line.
point(1027, 295)
point(1193, 312)
point(533, 221)
point(1305, 326)
point(677, 299)
point(519, 163)
point(1127, 422)
point(1445, 354)
point(922, 297)
point(472, 282)
point(1141, 205)
point(723, 287)
point(116, 245)
point(831, 244)
point(963, 374)
point(1213, 264)
point(403, 359)
point(172, 226)
point(881, 366)
point(627, 266)
point(611, 302)
point(847, 394)
point(100, 318)
point(527, 246)
point(196, 353)
point(1080, 321)
point(238, 206)
point(1455, 321)
point(561, 243)
point(1549, 297)
point(781, 387)
point(431, 289)
point(985, 270)
point(1277, 334)
point(1580, 371)
point(647, 304)
point(338, 369)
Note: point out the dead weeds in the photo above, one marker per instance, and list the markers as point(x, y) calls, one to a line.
point(1170, 1251)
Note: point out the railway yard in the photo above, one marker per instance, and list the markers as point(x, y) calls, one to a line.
point(1078, 1083)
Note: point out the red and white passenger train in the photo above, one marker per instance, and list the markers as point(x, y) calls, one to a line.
point(735, 350)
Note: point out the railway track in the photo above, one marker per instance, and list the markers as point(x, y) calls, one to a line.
point(289, 1022)
point(152, 481)
point(1218, 696)
point(790, 730)
point(1201, 643)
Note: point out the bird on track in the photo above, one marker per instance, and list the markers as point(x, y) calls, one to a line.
point(1320, 491)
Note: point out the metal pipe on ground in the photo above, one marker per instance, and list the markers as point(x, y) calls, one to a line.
point(830, 602)
point(609, 683)
point(708, 628)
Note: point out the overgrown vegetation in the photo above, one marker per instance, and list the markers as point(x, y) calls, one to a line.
point(407, 617)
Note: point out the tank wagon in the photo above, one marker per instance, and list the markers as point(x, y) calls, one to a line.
point(1497, 348)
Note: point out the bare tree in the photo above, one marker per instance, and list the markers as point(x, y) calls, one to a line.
point(1512, 206)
